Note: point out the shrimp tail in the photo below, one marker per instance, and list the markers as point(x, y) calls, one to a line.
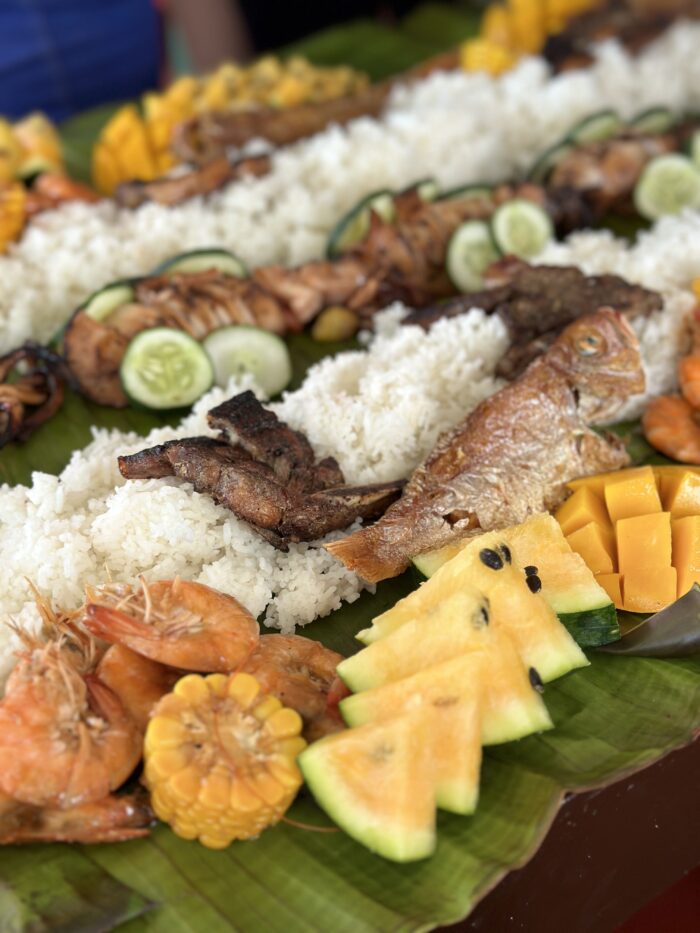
point(375, 553)
point(112, 625)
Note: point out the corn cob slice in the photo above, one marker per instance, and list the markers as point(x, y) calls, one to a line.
point(220, 758)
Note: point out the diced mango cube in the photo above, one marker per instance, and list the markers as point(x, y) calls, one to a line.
point(681, 493)
point(634, 493)
point(686, 551)
point(645, 590)
point(582, 507)
point(644, 543)
point(596, 545)
point(612, 584)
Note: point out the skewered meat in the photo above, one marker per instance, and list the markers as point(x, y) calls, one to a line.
point(265, 473)
point(512, 456)
point(537, 302)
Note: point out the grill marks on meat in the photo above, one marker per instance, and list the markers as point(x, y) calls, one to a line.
point(264, 472)
point(537, 302)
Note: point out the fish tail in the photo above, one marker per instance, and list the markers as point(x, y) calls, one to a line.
point(371, 552)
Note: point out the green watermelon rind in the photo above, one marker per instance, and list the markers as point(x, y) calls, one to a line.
point(593, 627)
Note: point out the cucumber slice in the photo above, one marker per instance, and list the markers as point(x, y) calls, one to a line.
point(550, 158)
point(469, 252)
point(428, 189)
point(653, 120)
point(467, 191)
point(598, 126)
point(200, 260)
point(354, 226)
point(241, 349)
point(668, 184)
point(165, 368)
point(100, 304)
point(521, 228)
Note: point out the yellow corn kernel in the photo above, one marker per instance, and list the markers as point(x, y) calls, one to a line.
point(244, 688)
point(192, 688)
point(266, 707)
point(284, 723)
point(166, 733)
point(267, 788)
point(215, 792)
point(218, 684)
point(243, 799)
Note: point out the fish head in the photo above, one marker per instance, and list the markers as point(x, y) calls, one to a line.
point(599, 355)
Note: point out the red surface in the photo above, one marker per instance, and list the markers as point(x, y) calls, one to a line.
point(676, 911)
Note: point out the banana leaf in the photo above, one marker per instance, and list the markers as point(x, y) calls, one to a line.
point(612, 718)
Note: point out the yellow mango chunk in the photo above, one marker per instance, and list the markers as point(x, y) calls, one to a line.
point(582, 507)
point(644, 543)
point(686, 551)
point(634, 493)
point(681, 493)
point(648, 591)
point(597, 482)
point(612, 584)
point(596, 545)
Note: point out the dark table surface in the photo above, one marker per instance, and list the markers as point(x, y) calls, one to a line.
point(608, 853)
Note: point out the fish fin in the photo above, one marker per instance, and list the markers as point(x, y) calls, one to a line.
point(361, 552)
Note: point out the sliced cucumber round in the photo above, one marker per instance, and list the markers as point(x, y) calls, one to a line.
point(550, 158)
point(484, 192)
point(238, 349)
point(428, 189)
point(101, 304)
point(521, 228)
point(165, 368)
point(470, 250)
point(653, 120)
point(596, 127)
point(200, 260)
point(668, 184)
point(354, 226)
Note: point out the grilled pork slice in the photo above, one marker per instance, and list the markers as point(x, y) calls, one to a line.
point(537, 302)
point(265, 473)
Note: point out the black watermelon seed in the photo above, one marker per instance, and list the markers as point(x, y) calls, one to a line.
point(505, 550)
point(534, 583)
point(530, 570)
point(485, 615)
point(536, 680)
point(491, 558)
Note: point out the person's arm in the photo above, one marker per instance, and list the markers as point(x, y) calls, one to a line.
point(215, 30)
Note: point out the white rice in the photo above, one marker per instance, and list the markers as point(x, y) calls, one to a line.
point(64, 532)
point(456, 126)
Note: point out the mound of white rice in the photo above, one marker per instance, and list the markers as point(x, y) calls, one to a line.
point(389, 402)
point(458, 127)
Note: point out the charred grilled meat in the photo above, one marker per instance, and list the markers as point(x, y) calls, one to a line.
point(537, 302)
point(265, 473)
point(32, 381)
point(634, 23)
point(195, 182)
point(208, 135)
point(514, 453)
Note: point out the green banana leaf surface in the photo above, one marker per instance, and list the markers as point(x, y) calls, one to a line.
point(611, 718)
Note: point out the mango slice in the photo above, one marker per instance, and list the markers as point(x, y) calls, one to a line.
point(686, 551)
point(644, 543)
point(644, 591)
point(681, 493)
point(582, 507)
point(596, 545)
point(612, 584)
point(633, 494)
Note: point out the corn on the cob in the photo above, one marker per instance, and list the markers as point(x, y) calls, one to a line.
point(220, 758)
point(12, 213)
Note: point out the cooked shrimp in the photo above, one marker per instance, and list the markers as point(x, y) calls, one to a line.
point(113, 819)
point(137, 681)
point(300, 673)
point(65, 738)
point(671, 426)
point(179, 623)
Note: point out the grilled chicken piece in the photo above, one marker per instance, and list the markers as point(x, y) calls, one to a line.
point(537, 302)
point(195, 182)
point(29, 396)
point(512, 456)
point(208, 135)
point(265, 473)
point(633, 23)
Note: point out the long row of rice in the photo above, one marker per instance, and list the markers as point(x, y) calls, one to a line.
point(378, 410)
point(458, 127)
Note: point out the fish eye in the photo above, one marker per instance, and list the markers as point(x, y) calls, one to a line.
point(589, 345)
